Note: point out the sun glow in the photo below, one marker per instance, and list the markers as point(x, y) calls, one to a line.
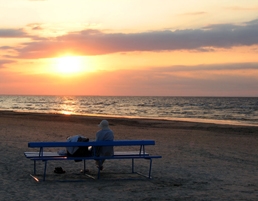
point(69, 65)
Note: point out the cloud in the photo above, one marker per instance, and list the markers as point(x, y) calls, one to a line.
point(211, 67)
point(5, 47)
point(3, 62)
point(194, 13)
point(253, 22)
point(216, 79)
point(35, 26)
point(199, 80)
point(238, 8)
point(96, 42)
point(12, 33)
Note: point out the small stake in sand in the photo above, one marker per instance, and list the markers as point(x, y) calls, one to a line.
point(35, 178)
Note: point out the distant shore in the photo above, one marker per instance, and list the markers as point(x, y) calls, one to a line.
point(200, 161)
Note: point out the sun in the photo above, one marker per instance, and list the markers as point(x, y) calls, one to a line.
point(69, 65)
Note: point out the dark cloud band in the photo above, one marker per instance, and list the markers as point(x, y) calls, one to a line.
point(95, 42)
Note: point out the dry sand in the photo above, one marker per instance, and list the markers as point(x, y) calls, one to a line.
point(199, 161)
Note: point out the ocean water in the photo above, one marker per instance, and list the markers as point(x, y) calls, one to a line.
point(226, 110)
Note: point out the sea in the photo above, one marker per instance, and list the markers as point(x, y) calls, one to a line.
point(219, 110)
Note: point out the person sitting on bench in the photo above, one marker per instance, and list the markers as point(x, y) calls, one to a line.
point(76, 151)
point(105, 134)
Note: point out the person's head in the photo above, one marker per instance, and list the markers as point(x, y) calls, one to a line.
point(103, 124)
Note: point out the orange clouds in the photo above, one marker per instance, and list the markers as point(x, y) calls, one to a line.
point(96, 42)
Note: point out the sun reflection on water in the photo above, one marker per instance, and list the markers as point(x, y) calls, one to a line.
point(68, 106)
point(66, 112)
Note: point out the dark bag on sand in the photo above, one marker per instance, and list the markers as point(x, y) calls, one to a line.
point(81, 151)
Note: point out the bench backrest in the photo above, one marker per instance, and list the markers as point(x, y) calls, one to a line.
point(92, 143)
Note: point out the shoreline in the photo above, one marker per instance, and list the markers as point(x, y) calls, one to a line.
point(133, 122)
point(181, 120)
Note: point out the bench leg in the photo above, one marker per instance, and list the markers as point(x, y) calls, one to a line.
point(35, 171)
point(132, 165)
point(100, 164)
point(45, 170)
point(150, 168)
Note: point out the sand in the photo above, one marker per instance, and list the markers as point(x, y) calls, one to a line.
point(199, 161)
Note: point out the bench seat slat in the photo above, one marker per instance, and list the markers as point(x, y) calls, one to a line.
point(92, 143)
point(44, 158)
point(55, 154)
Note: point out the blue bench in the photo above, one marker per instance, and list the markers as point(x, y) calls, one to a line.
point(47, 156)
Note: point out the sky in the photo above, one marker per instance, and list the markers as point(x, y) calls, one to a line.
point(129, 47)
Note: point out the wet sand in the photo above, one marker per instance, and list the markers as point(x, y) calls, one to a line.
point(200, 161)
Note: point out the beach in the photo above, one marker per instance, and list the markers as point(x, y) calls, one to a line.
point(200, 161)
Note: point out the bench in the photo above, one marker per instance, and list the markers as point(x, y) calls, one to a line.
point(41, 155)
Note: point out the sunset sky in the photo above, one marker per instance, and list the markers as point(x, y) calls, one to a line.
point(129, 47)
